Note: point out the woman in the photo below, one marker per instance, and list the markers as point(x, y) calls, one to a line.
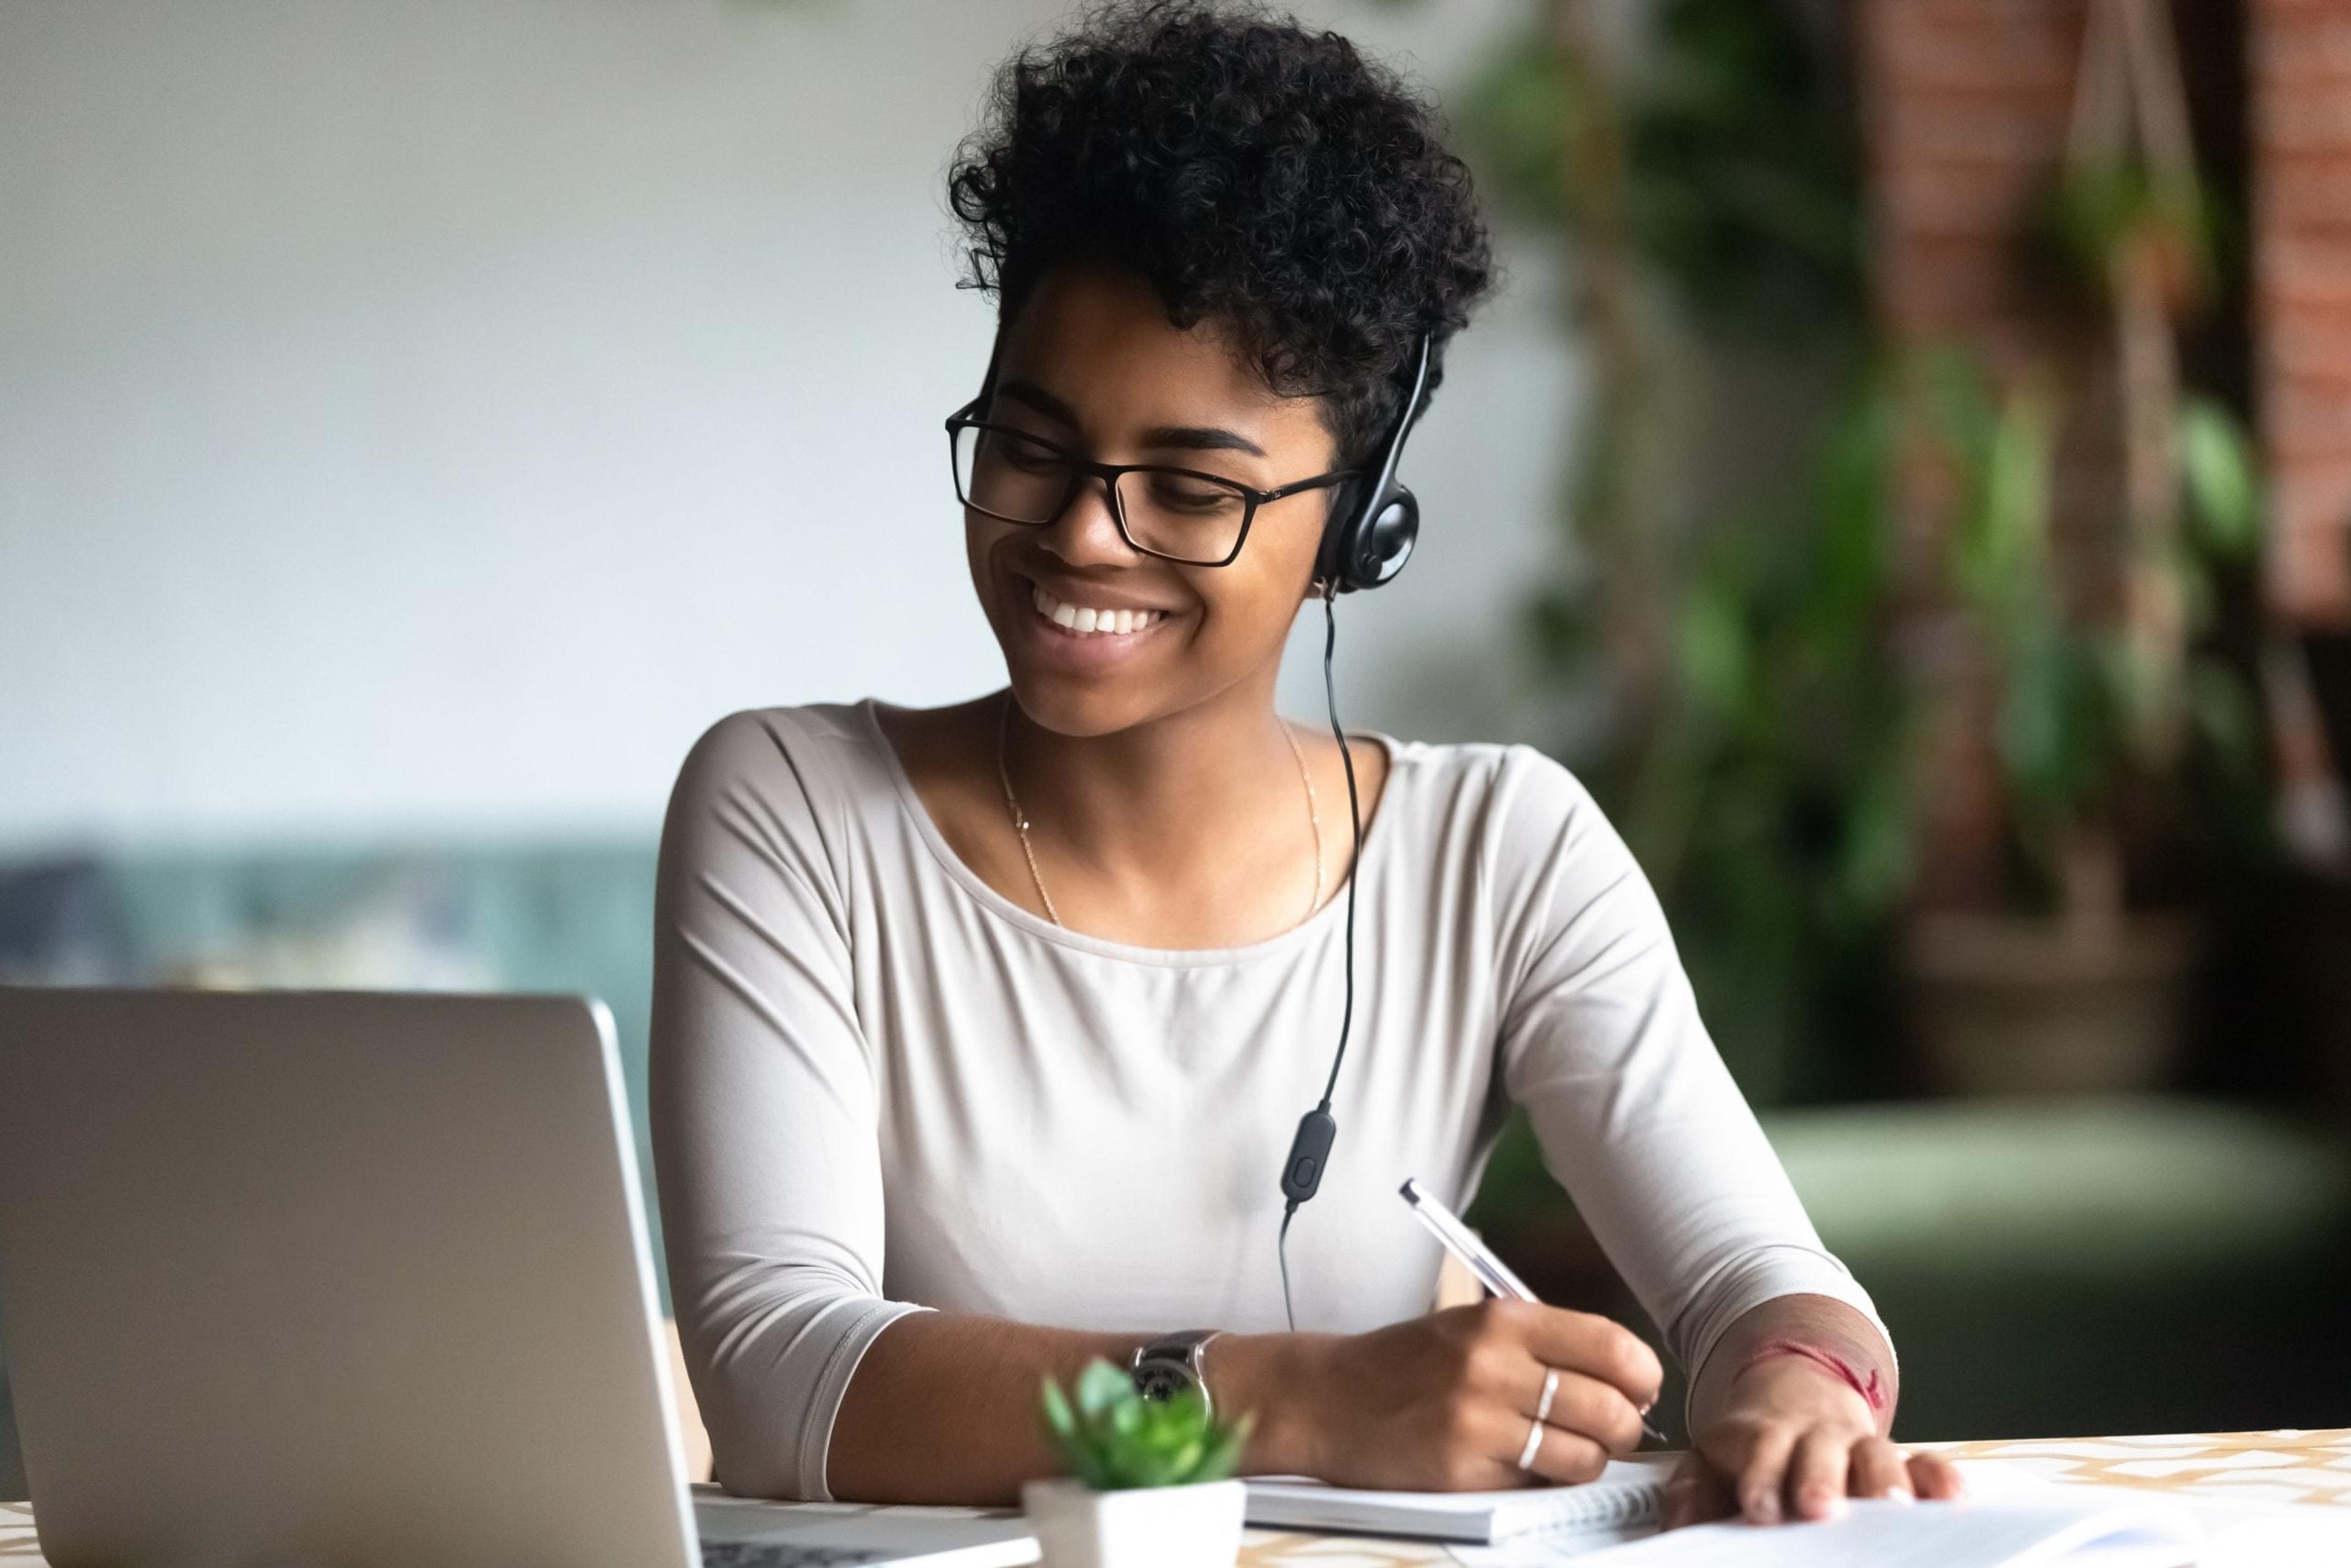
point(1024, 996)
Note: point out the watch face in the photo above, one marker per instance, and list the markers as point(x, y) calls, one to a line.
point(1161, 1379)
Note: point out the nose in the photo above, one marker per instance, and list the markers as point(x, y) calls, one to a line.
point(1087, 530)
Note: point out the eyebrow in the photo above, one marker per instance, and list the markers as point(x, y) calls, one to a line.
point(1190, 437)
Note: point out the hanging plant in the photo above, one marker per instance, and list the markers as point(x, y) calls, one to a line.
point(2117, 212)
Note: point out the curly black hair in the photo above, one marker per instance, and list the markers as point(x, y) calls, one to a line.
point(1254, 172)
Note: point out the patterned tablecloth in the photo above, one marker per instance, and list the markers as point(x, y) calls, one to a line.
point(2308, 1468)
point(2268, 1467)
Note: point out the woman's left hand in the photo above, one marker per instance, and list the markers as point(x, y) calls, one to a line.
point(1791, 1440)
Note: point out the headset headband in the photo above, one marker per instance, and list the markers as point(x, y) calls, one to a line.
point(1367, 545)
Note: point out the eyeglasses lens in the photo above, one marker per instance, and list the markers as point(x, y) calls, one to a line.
point(1167, 511)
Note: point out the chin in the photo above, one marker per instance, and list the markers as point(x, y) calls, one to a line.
point(1082, 709)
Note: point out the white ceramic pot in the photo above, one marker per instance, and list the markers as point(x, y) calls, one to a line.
point(1196, 1526)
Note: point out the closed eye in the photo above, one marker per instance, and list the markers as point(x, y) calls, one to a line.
point(1188, 494)
point(1026, 452)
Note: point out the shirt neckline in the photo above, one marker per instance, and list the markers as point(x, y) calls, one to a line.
point(1333, 908)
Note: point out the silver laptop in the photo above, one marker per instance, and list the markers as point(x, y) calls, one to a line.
point(361, 1279)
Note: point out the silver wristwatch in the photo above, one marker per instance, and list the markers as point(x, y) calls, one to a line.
point(1162, 1366)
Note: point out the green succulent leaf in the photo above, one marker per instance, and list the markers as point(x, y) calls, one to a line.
point(1059, 1419)
point(1222, 1455)
point(1104, 1388)
point(1114, 1439)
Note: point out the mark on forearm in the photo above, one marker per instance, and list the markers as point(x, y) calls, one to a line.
point(1872, 1388)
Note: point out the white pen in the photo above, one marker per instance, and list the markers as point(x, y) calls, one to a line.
point(1478, 1258)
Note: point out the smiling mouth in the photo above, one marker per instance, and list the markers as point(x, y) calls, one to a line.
point(1085, 620)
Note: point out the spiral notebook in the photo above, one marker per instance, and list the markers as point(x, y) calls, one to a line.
point(1626, 1496)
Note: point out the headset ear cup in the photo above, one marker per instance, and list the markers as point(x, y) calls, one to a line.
point(1382, 546)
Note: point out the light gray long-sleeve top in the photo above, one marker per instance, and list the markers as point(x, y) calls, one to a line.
point(879, 1085)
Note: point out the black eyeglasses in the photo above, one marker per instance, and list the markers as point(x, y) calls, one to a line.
point(1175, 513)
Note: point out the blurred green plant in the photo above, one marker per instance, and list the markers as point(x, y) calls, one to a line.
point(1741, 149)
point(1704, 188)
point(2110, 206)
point(1705, 185)
point(2076, 716)
point(2102, 707)
point(1789, 740)
point(1114, 1438)
point(1774, 808)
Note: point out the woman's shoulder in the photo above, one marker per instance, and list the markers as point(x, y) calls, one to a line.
point(1505, 789)
point(1514, 831)
point(814, 759)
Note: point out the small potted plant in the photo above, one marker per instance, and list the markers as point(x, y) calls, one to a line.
point(1150, 1480)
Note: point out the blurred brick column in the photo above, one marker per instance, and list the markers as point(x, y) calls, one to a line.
point(1965, 104)
point(2301, 62)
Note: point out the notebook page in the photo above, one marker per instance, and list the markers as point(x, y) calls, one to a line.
point(1980, 1534)
point(2259, 1535)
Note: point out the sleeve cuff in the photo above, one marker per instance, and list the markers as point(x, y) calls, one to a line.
point(832, 1384)
point(1754, 1279)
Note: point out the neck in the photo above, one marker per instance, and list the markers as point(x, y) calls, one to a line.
point(1156, 797)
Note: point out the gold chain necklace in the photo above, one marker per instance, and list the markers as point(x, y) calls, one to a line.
point(1020, 817)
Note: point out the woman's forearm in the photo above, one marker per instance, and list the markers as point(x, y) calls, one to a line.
point(1828, 1332)
point(943, 1407)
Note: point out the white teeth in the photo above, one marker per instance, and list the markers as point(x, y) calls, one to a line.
point(1091, 621)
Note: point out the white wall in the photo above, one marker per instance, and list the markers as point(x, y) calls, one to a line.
point(427, 417)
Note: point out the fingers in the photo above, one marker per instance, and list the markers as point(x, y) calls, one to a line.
point(1592, 1409)
point(1585, 1342)
point(1878, 1470)
point(1817, 1474)
point(1933, 1476)
point(1760, 1478)
point(1567, 1458)
point(1498, 1352)
point(1695, 1493)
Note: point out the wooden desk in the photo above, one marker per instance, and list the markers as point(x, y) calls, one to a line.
point(2307, 1468)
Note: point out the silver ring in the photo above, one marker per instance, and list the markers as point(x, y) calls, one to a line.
point(1534, 1441)
point(1551, 1386)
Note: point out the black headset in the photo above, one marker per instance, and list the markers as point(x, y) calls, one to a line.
point(1365, 546)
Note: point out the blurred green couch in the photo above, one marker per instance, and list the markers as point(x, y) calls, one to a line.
point(2048, 1268)
point(2066, 1267)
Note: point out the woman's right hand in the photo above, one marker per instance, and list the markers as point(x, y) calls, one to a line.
point(1445, 1402)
